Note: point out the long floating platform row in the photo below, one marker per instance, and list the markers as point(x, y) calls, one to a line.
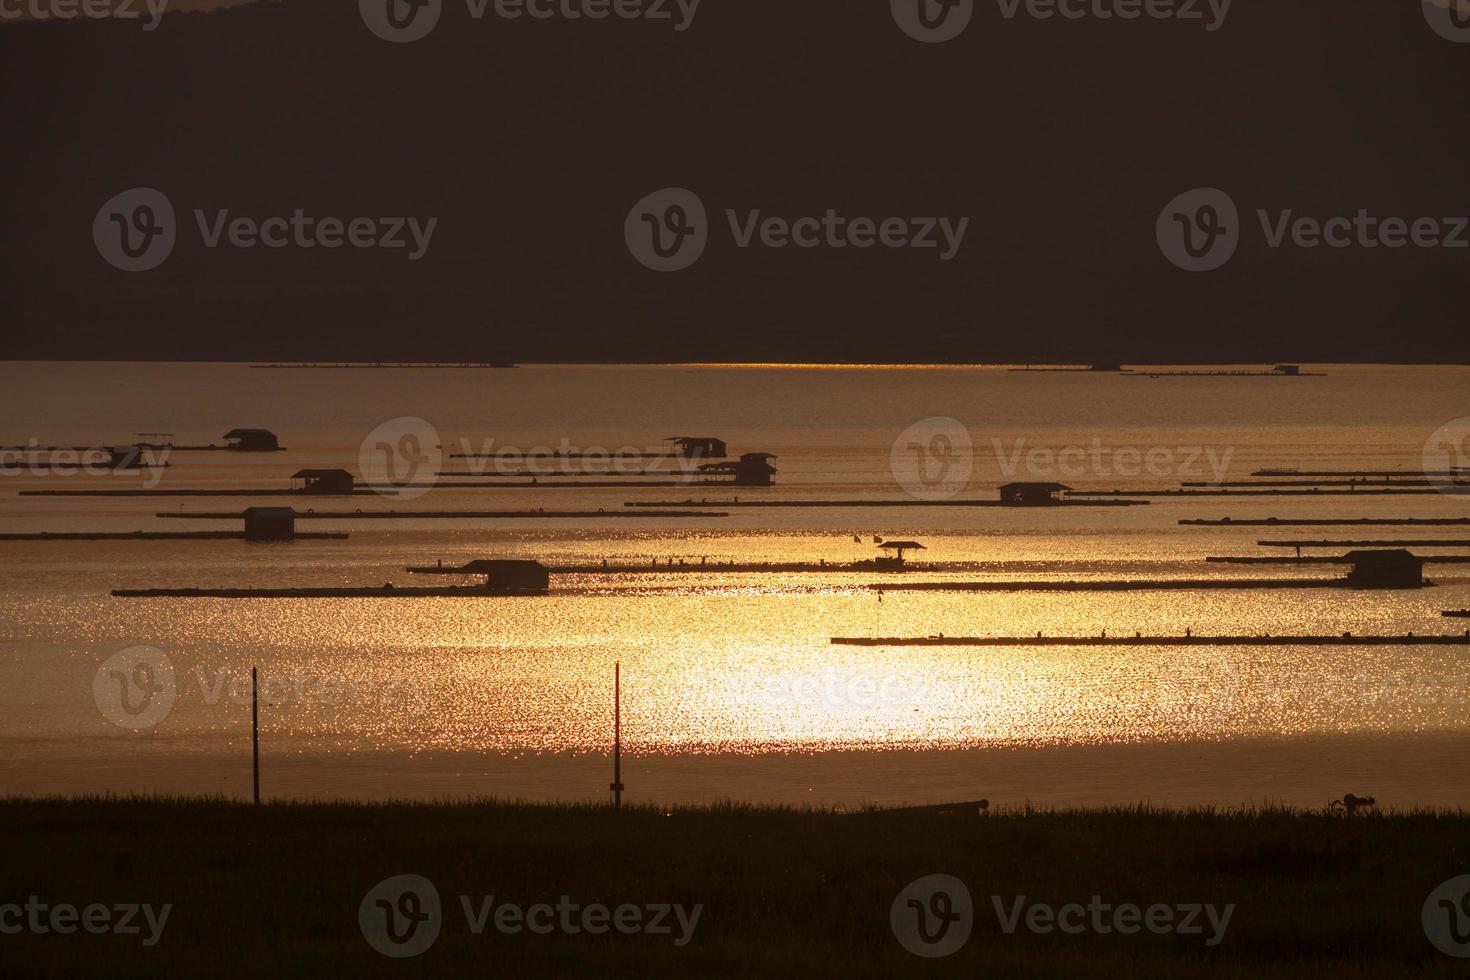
point(878, 503)
point(1346, 640)
point(1115, 585)
point(1321, 560)
point(380, 592)
point(1274, 492)
point(197, 493)
point(1429, 543)
point(158, 536)
point(1330, 522)
point(416, 515)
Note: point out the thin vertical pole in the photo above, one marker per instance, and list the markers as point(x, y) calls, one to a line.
point(255, 733)
point(617, 783)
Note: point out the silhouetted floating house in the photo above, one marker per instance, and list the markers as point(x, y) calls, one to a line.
point(503, 576)
point(1395, 569)
point(251, 441)
point(270, 524)
point(699, 447)
point(751, 470)
point(1106, 366)
point(324, 481)
point(1032, 494)
point(1289, 370)
point(126, 458)
point(894, 559)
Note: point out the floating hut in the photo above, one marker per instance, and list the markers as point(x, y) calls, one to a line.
point(751, 470)
point(324, 481)
point(1396, 569)
point(698, 447)
point(252, 441)
point(893, 553)
point(1033, 494)
point(270, 524)
point(503, 576)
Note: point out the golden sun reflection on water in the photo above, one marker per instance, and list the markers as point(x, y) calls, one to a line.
point(750, 670)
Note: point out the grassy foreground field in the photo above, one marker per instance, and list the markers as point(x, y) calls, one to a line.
point(277, 891)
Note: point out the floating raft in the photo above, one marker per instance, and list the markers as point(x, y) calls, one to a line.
point(197, 493)
point(879, 503)
point(1269, 492)
point(631, 482)
point(1329, 522)
point(417, 515)
point(1351, 482)
point(380, 592)
point(1381, 474)
point(1458, 613)
point(381, 366)
point(1115, 585)
point(1346, 640)
point(1430, 543)
point(1322, 560)
point(694, 567)
point(158, 536)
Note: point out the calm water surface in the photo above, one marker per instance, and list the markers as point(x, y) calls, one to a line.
point(731, 688)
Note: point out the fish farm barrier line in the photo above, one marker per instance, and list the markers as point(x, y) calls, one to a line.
point(1347, 640)
point(163, 536)
point(392, 515)
point(1329, 522)
point(1429, 543)
point(1322, 559)
point(881, 503)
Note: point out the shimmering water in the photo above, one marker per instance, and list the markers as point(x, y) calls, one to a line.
point(731, 688)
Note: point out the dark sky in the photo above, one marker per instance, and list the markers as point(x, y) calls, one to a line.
point(530, 141)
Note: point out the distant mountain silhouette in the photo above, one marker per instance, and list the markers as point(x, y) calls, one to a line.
point(530, 141)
